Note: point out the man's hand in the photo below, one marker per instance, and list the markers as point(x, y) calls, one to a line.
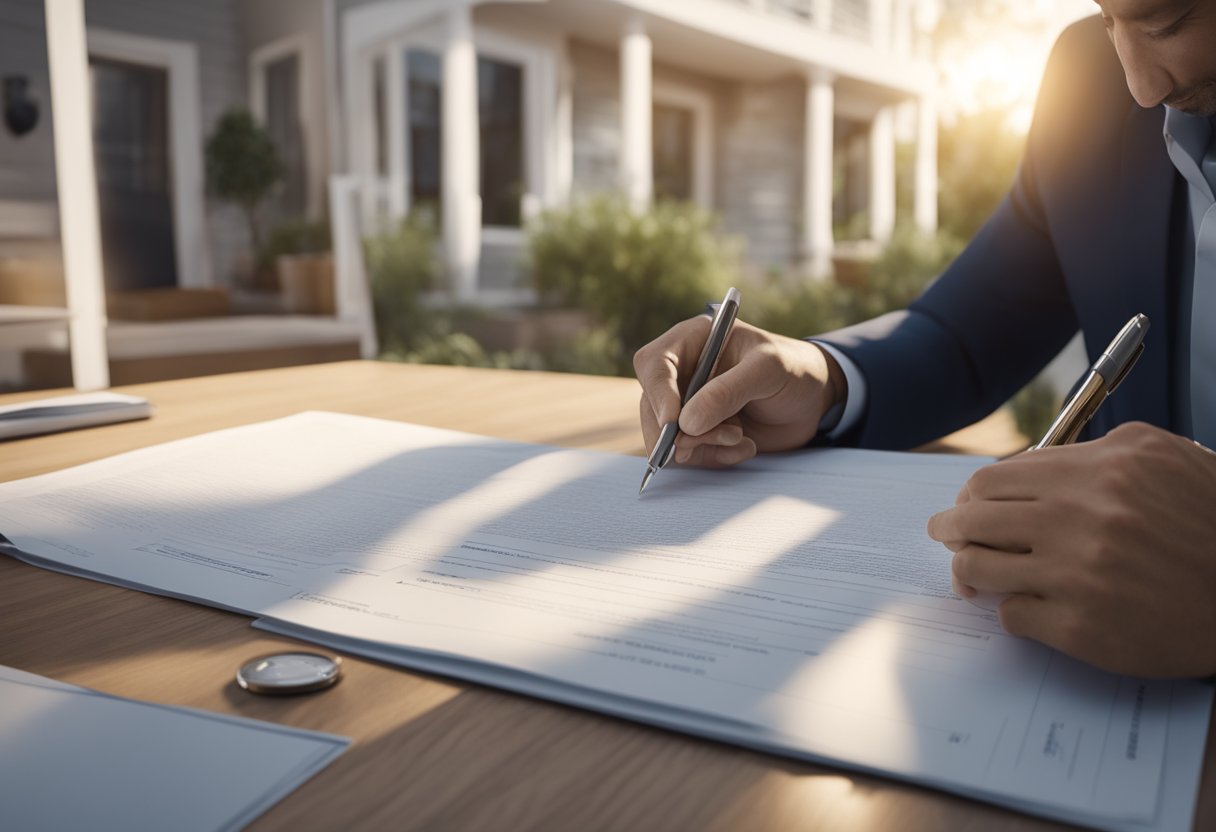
point(768, 392)
point(1107, 549)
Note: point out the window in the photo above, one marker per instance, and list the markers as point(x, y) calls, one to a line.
point(500, 108)
point(130, 125)
point(285, 126)
point(425, 73)
point(673, 152)
point(500, 113)
point(380, 114)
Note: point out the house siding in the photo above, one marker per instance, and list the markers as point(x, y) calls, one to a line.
point(27, 164)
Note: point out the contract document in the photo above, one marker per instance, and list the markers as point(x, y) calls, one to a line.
point(794, 604)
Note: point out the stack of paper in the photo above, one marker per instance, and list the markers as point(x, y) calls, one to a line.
point(78, 759)
point(793, 605)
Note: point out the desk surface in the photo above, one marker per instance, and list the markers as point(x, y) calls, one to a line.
point(430, 752)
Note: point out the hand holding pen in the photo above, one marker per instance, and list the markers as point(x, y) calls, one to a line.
point(1100, 549)
point(719, 329)
point(767, 393)
point(1112, 366)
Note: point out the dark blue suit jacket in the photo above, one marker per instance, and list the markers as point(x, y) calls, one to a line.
point(1084, 239)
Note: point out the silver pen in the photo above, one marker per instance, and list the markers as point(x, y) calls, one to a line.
point(724, 318)
point(1099, 381)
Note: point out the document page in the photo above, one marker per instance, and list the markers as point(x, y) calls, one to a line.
point(794, 604)
point(78, 759)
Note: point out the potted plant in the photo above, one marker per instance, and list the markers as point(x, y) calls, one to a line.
point(243, 166)
point(299, 252)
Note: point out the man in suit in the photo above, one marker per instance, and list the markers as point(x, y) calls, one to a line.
point(1106, 548)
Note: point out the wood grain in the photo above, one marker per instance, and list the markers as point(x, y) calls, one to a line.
point(432, 753)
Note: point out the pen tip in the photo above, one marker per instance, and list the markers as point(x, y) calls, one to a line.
point(645, 480)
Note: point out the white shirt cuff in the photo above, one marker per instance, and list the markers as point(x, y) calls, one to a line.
point(855, 393)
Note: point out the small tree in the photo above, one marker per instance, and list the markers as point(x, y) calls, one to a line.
point(243, 166)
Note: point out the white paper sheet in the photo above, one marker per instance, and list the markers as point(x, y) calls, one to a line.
point(796, 601)
point(74, 758)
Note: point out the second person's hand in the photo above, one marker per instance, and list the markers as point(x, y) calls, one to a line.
point(768, 393)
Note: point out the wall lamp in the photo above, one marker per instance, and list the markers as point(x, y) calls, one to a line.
point(20, 111)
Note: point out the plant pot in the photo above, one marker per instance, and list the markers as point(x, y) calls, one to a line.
point(307, 283)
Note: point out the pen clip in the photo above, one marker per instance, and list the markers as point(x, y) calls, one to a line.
point(1127, 368)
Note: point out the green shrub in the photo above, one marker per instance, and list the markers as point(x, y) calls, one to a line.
point(636, 273)
point(401, 265)
point(442, 345)
point(907, 264)
point(799, 307)
point(594, 352)
point(978, 157)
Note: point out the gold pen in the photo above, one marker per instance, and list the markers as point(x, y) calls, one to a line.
point(1099, 381)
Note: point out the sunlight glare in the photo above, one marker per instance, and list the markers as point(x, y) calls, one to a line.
point(836, 696)
point(996, 63)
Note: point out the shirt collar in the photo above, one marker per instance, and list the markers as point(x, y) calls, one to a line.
point(1189, 139)
point(1192, 133)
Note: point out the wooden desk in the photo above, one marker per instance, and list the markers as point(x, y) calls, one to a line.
point(429, 752)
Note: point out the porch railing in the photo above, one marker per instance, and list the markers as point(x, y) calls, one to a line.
point(348, 208)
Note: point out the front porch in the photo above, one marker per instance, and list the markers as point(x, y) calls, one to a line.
point(753, 92)
point(145, 351)
point(736, 105)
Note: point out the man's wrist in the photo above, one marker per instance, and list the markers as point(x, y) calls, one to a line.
point(847, 388)
point(836, 390)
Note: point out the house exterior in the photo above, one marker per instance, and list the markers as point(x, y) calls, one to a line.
point(779, 115)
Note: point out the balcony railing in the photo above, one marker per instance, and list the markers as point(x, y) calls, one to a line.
point(801, 9)
point(855, 19)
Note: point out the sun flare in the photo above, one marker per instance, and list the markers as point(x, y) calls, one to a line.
point(995, 63)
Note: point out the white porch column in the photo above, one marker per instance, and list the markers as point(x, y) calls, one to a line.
point(637, 164)
point(882, 175)
point(79, 223)
point(817, 176)
point(925, 183)
point(821, 14)
point(396, 119)
point(461, 165)
point(880, 23)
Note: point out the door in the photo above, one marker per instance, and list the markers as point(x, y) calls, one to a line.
point(134, 182)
